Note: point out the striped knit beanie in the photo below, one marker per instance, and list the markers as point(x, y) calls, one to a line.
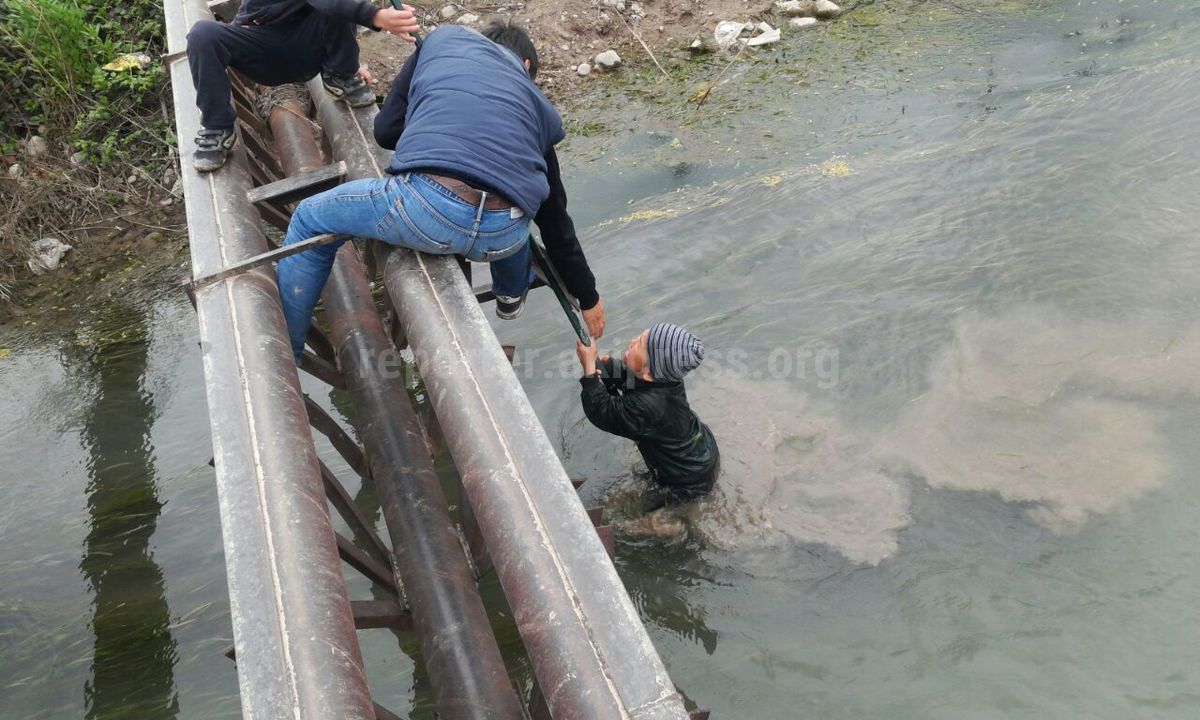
point(674, 352)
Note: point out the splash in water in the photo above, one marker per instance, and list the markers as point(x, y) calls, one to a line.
point(790, 474)
point(1034, 406)
point(1048, 410)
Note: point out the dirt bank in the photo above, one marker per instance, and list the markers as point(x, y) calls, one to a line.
point(141, 252)
point(570, 33)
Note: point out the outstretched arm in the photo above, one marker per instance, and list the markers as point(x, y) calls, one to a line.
point(389, 123)
point(622, 415)
point(608, 410)
point(562, 244)
point(361, 12)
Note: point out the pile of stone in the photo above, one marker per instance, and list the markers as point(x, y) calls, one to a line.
point(731, 35)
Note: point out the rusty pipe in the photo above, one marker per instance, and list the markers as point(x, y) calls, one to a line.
point(464, 663)
point(297, 649)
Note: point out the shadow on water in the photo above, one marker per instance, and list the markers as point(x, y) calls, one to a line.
point(134, 658)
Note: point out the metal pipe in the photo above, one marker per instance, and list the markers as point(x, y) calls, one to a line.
point(589, 649)
point(464, 663)
point(293, 131)
point(298, 653)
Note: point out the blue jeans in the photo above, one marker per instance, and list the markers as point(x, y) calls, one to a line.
point(408, 210)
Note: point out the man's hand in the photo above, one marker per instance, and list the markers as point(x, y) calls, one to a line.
point(594, 317)
point(397, 22)
point(587, 356)
point(366, 75)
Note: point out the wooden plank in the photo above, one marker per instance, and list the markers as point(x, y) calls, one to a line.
point(298, 187)
point(246, 113)
point(269, 256)
point(606, 539)
point(320, 345)
point(317, 366)
point(273, 216)
point(382, 713)
point(262, 154)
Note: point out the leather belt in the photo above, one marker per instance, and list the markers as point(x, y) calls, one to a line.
point(468, 194)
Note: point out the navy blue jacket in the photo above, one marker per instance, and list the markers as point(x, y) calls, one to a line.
point(464, 106)
point(265, 12)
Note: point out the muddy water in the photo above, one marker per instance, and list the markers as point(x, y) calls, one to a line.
point(945, 264)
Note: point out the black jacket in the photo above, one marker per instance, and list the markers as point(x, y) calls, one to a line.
point(677, 447)
point(265, 12)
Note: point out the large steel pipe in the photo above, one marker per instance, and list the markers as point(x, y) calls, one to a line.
point(590, 652)
point(297, 650)
point(463, 660)
point(292, 130)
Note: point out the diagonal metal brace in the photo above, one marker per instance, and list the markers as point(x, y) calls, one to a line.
point(298, 187)
point(268, 257)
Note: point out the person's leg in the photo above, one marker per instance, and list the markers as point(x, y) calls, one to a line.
point(354, 209)
point(512, 275)
point(270, 55)
point(661, 494)
point(210, 47)
point(339, 62)
point(400, 210)
point(697, 488)
point(339, 46)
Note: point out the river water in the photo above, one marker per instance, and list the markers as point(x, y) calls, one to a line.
point(944, 260)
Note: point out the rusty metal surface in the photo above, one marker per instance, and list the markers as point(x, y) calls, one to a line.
point(293, 130)
point(266, 258)
point(589, 650)
point(463, 660)
point(298, 653)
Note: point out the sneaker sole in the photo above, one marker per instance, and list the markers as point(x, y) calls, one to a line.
point(366, 100)
point(510, 315)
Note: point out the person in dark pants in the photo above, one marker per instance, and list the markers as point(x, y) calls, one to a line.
point(275, 42)
point(643, 399)
point(474, 164)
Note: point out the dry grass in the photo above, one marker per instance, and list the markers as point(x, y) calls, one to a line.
point(53, 198)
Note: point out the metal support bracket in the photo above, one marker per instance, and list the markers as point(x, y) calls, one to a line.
point(298, 187)
point(381, 614)
point(269, 256)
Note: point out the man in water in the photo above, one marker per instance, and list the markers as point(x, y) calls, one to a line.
point(643, 399)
